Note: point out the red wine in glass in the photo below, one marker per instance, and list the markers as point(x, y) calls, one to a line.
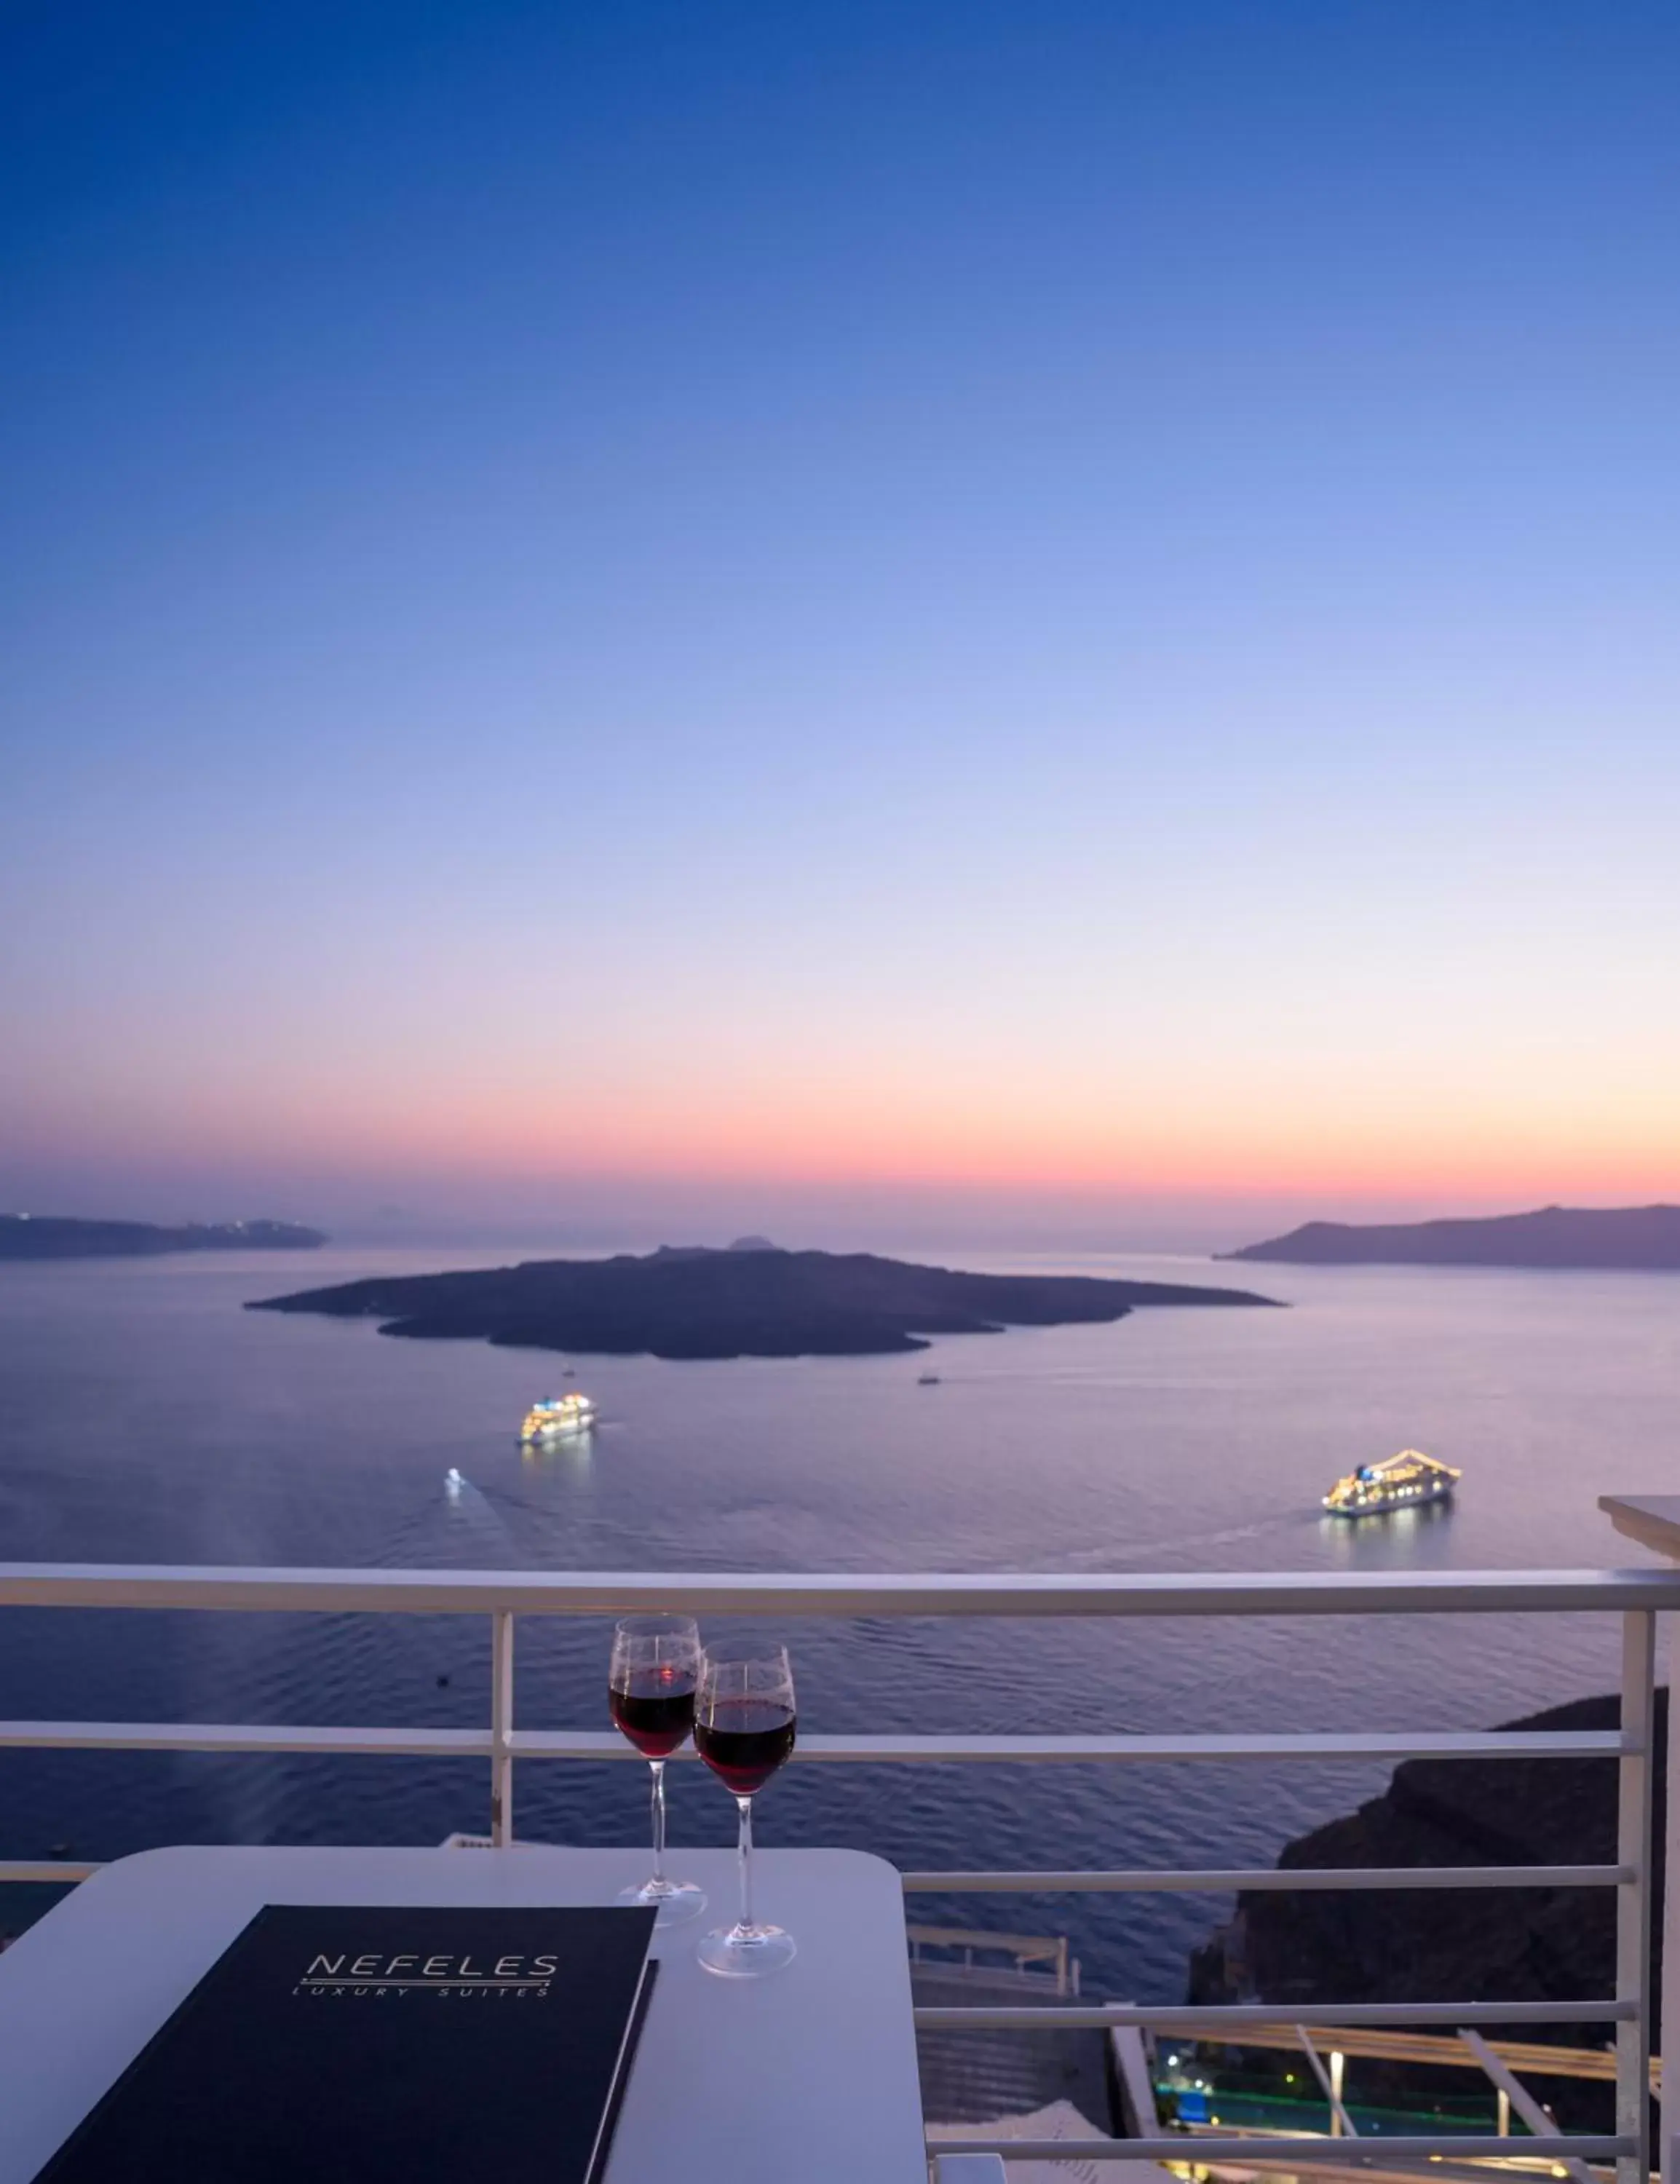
point(744, 1725)
point(745, 1740)
point(655, 1708)
point(650, 1695)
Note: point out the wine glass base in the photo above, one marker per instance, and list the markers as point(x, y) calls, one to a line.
point(676, 1902)
point(746, 1952)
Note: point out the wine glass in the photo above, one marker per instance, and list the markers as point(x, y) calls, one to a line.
point(650, 1689)
point(744, 1724)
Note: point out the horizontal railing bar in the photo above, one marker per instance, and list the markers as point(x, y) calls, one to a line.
point(1327, 1745)
point(607, 1592)
point(1209, 2023)
point(1222, 1881)
point(223, 1737)
point(44, 1869)
point(1536, 2170)
point(1206, 2148)
point(1034, 1750)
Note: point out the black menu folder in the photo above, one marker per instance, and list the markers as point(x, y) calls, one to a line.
point(334, 2042)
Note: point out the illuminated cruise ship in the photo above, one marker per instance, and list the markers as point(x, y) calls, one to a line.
point(558, 1415)
point(1398, 1482)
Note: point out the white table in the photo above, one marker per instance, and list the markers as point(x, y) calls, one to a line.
point(806, 2077)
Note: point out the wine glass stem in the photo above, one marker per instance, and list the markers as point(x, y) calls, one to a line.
point(657, 1769)
point(746, 1860)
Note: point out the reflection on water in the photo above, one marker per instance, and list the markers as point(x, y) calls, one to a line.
point(1175, 1441)
point(1389, 1537)
point(570, 1453)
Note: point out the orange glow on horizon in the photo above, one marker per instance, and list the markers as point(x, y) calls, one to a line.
point(1476, 1154)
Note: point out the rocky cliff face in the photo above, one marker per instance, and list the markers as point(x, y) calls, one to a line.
point(1469, 1945)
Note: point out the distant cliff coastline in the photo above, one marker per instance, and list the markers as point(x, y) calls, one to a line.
point(1634, 1237)
point(51, 1236)
point(750, 1300)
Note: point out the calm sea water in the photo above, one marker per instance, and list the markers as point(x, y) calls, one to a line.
point(144, 1417)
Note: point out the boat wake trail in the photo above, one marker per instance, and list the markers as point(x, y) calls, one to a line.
point(471, 1508)
point(1100, 1558)
point(495, 1497)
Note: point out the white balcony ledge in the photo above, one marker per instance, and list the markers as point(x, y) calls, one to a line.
point(1652, 1520)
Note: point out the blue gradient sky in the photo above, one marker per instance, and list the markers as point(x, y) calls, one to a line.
point(1065, 609)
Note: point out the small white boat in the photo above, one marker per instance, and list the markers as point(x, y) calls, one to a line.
point(1405, 1481)
point(556, 1417)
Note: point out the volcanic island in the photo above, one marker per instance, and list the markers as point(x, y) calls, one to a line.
point(695, 1302)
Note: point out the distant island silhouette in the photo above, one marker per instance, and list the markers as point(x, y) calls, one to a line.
point(1632, 1237)
point(745, 1301)
point(55, 1236)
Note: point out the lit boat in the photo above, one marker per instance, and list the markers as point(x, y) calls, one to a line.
point(1405, 1481)
point(556, 1417)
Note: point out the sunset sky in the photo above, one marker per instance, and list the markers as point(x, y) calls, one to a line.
point(1059, 614)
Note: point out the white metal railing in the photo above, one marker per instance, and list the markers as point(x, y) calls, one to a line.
point(1039, 1958)
point(1635, 1596)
